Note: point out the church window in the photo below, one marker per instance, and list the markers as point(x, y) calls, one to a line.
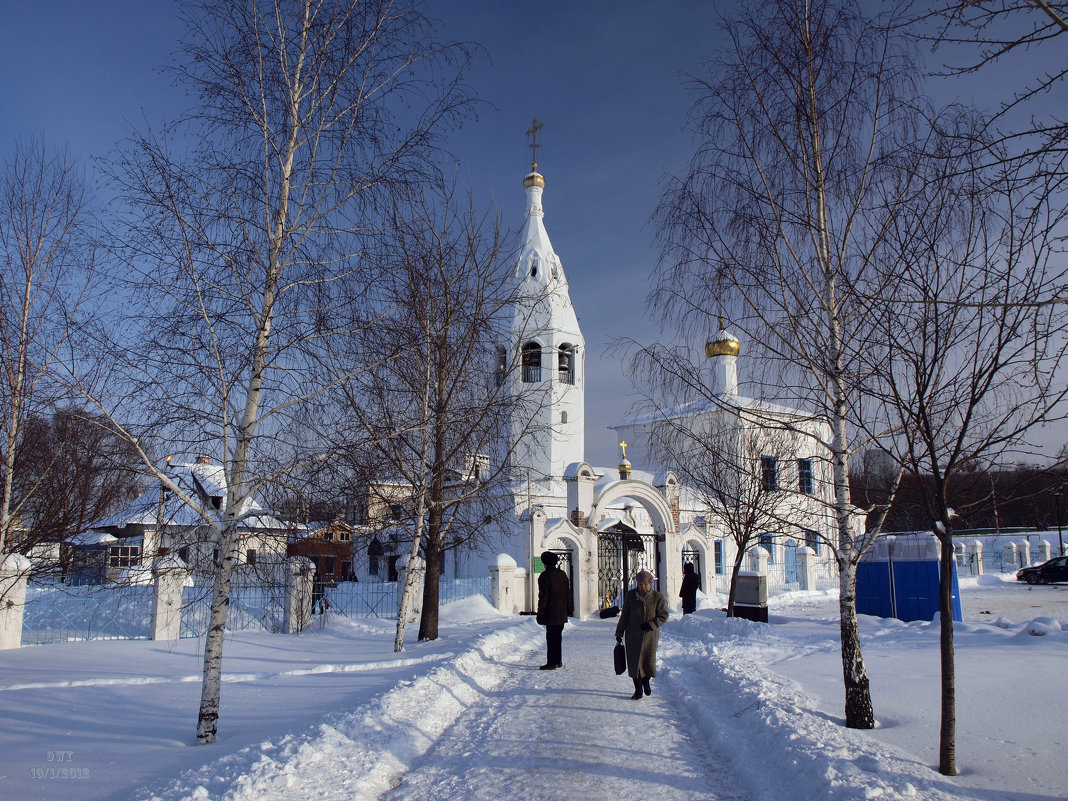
point(769, 473)
point(563, 417)
point(717, 550)
point(531, 362)
point(767, 542)
point(566, 361)
point(812, 540)
point(375, 553)
point(804, 476)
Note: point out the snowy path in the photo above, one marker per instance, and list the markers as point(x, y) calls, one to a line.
point(567, 734)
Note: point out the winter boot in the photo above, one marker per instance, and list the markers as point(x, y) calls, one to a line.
point(645, 686)
point(637, 690)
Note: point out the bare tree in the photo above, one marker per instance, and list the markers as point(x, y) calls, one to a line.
point(801, 125)
point(967, 366)
point(44, 274)
point(1020, 38)
point(722, 454)
point(436, 413)
point(69, 471)
point(244, 230)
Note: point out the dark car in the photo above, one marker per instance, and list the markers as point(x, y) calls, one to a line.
point(1055, 569)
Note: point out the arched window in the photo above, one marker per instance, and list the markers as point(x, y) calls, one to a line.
point(566, 362)
point(531, 362)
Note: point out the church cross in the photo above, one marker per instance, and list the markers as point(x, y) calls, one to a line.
point(535, 126)
point(623, 445)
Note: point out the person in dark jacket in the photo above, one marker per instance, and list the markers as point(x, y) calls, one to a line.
point(690, 585)
point(644, 611)
point(555, 606)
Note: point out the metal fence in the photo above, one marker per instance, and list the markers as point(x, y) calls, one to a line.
point(91, 612)
point(252, 608)
point(379, 599)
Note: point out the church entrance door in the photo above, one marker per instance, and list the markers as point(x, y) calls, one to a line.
point(621, 554)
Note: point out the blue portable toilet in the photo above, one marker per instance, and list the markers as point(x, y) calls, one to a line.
point(911, 568)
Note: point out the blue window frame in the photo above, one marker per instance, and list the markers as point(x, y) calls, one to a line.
point(804, 476)
point(767, 542)
point(812, 540)
point(717, 548)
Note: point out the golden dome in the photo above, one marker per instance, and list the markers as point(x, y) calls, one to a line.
point(535, 178)
point(723, 344)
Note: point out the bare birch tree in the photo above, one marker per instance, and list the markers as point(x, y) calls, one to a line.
point(781, 217)
point(437, 412)
point(241, 247)
point(968, 363)
point(45, 268)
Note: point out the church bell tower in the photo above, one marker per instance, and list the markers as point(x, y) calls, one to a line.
point(549, 353)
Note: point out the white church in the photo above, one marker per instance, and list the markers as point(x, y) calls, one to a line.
point(608, 523)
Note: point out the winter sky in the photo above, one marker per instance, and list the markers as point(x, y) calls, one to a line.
point(605, 77)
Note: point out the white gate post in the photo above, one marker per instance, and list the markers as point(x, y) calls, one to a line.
point(975, 557)
point(300, 576)
point(169, 574)
point(502, 583)
point(14, 573)
point(806, 567)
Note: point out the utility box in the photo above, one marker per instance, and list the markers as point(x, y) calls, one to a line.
point(751, 597)
point(751, 589)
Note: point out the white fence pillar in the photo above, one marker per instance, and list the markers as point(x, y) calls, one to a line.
point(975, 557)
point(960, 555)
point(502, 584)
point(760, 560)
point(169, 574)
point(14, 573)
point(1008, 561)
point(1023, 553)
point(806, 567)
point(300, 581)
point(415, 603)
point(1043, 551)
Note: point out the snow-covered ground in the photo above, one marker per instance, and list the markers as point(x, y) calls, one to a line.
point(740, 711)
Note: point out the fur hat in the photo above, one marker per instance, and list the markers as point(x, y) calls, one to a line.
point(549, 559)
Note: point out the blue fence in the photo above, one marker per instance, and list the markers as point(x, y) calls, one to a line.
point(252, 608)
point(379, 599)
point(91, 612)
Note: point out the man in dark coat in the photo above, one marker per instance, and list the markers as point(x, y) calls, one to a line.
point(688, 593)
point(555, 606)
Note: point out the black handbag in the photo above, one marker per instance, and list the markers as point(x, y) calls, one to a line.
point(619, 654)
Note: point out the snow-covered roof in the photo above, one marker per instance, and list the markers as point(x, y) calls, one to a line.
point(197, 479)
point(92, 538)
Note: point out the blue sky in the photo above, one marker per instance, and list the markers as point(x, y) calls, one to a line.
point(603, 77)
point(606, 78)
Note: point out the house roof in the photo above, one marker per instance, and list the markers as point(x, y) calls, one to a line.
point(199, 480)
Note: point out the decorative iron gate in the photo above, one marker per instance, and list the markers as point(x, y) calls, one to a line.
point(691, 556)
point(620, 556)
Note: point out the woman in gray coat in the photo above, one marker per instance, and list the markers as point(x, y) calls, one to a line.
point(644, 612)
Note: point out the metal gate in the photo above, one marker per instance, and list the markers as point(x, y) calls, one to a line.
point(691, 556)
point(620, 556)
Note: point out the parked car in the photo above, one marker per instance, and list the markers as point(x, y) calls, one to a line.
point(1056, 569)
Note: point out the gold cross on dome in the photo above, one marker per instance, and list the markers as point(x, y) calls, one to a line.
point(623, 445)
point(535, 126)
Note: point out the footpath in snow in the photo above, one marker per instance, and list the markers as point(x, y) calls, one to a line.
point(569, 734)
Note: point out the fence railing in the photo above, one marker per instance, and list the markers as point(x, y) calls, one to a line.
point(92, 612)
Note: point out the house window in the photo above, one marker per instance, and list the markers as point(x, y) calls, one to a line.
point(531, 362)
point(563, 417)
point(717, 551)
point(250, 557)
point(769, 473)
point(804, 476)
point(566, 360)
point(812, 540)
point(124, 555)
point(767, 542)
point(331, 564)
